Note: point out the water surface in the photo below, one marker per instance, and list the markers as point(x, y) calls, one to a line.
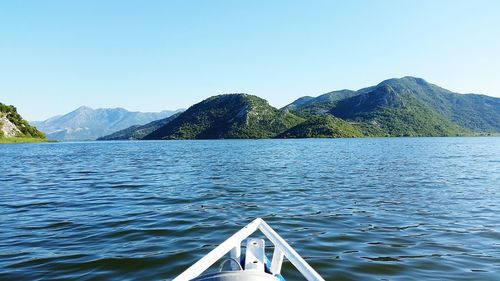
point(355, 209)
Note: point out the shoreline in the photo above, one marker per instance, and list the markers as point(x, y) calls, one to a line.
point(19, 140)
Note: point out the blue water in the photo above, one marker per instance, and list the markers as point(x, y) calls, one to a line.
point(355, 209)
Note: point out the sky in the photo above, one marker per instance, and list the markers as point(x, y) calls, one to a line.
point(156, 55)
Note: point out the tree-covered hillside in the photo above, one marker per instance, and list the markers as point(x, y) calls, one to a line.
point(230, 116)
point(322, 127)
point(408, 106)
point(308, 106)
point(474, 112)
point(386, 112)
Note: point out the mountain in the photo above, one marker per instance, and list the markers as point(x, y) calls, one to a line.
point(474, 112)
point(299, 103)
point(408, 106)
point(322, 127)
point(405, 106)
point(229, 116)
point(13, 128)
point(86, 123)
point(138, 132)
point(386, 111)
point(319, 105)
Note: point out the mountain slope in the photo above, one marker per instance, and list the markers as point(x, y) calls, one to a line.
point(411, 106)
point(392, 111)
point(322, 127)
point(138, 132)
point(86, 123)
point(12, 125)
point(307, 106)
point(233, 116)
point(471, 111)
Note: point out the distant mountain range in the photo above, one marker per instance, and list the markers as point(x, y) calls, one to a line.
point(86, 123)
point(138, 132)
point(406, 106)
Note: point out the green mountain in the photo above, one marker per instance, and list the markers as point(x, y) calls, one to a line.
point(406, 106)
point(322, 127)
point(138, 132)
point(307, 106)
point(474, 112)
point(13, 128)
point(409, 107)
point(230, 116)
point(385, 111)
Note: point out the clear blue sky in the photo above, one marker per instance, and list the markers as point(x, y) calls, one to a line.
point(152, 55)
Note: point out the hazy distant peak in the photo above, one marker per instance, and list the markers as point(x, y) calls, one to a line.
point(85, 123)
point(84, 107)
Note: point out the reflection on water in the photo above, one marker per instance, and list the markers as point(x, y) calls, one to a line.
point(355, 209)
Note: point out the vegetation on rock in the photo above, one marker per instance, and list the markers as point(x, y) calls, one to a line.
point(24, 130)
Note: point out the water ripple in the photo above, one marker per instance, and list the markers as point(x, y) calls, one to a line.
point(355, 209)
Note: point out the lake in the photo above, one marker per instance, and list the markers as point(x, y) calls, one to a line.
point(355, 209)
